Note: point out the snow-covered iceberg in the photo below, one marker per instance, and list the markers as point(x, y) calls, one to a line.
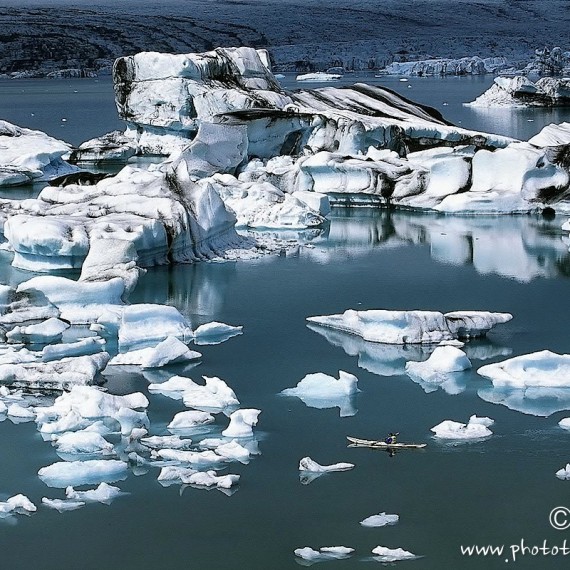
point(412, 327)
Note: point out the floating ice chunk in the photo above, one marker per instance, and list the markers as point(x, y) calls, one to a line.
point(3, 408)
point(233, 451)
point(83, 347)
point(324, 553)
point(64, 373)
point(83, 442)
point(319, 76)
point(307, 464)
point(42, 333)
point(409, 327)
point(196, 458)
point(104, 493)
point(211, 479)
point(214, 395)
point(17, 411)
point(215, 333)
point(190, 419)
point(62, 505)
point(564, 423)
point(63, 474)
point(380, 520)
point(170, 351)
point(323, 391)
point(132, 420)
point(242, 423)
point(538, 369)
point(173, 474)
point(19, 504)
point(449, 429)
point(145, 323)
point(440, 368)
point(166, 442)
point(564, 473)
point(484, 421)
point(13, 356)
point(385, 554)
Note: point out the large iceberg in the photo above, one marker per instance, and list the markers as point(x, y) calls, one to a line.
point(412, 327)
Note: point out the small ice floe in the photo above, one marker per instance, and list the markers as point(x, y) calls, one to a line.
point(242, 423)
point(195, 458)
point(18, 504)
point(564, 423)
point(308, 464)
point(104, 493)
point(83, 442)
point(233, 451)
point(169, 351)
point(45, 332)
point(83, 347)
point(215, 333)
point(215, 395)
point(384, 554)
point(62, 505)
point(65, 473)
point(319, 76)
point(381, 519)
point(324, 553)
point(145, 323)
point(403, 80)
point(322, 391)
point(539, 369)
point(440, 369)
point(411, 327)
point(20, 412)
point(476, 428)
point(187, 476)
point(190, 420)
point(564, 473)
point(166, 442)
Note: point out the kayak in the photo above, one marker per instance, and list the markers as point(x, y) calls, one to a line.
point(356, 442)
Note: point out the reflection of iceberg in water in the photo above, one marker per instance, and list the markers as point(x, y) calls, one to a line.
point(519, 247)
point(538, 401)
point(380, 359)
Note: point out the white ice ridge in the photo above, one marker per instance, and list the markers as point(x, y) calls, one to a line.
point(308, 464)
point(476, 428)
point(381, 519)
point(215, 395)
point(324, 553)
point(544, 369)
point(412, 327)
point(440, 366)
point(18, 504)
point(385, 554)
point(242, 423)
point(170, 351)
point(27, 155)
point(74, 473)
point(564, 473)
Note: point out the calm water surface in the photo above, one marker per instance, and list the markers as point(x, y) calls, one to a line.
point(498, 491)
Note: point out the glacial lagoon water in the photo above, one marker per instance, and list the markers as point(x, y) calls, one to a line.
point(499, 491)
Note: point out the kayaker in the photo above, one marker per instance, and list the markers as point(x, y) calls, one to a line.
point(391, 439)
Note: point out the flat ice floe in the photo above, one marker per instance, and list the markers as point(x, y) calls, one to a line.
point(104, 494)
point(544, 369)
point(323, 391)
point(83, 442)
point(45, 332)
point(62, 505)
point(324, 553)
point(476, 428)
point(308, 464)
point(412, 327)
point(381, 519)
point(190, 420)
point(170, 351)
point(215, 333)
point(564, 473)
point(73, 473)
point(384, 554)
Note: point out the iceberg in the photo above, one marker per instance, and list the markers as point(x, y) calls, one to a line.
point(166, 442)
point(319, 76)
point(41, 333)
point(74, 473)
point(62, 505)
point(307, 464)
point(473, 65)
point(83, 347)
point(169, 351)
point(215, 332)
point(564, 423)
point(83, 442)
point(323, 391)
point(18, 504)
point(381, 519)
point(104, 493)
point(27, 156)
point(190, 420)
point(195, 478)
point(324, 553)
point(384, 554)
point(564, 473)
point(412, 327)
point(20, 412)
point(544, 369)
point(474, 429)
point(242, 423)
point(196, 458)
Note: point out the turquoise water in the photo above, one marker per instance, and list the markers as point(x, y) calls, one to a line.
point(498, 491)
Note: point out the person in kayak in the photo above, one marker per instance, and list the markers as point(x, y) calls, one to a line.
point(391, 438)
